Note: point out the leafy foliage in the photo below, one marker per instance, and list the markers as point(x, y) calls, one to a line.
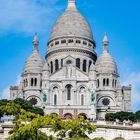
point(26, 105)
point(121, 116)
point(73, 128)
point(30, 130)
point(3, 102)
point(79, 138)
point(110, 117)
point(99, 138)
point(10, 109)
point(28, 123)
point(137, 116)
point(28, 127)
point(118, 138)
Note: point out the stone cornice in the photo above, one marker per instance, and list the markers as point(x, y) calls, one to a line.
point(69, 49)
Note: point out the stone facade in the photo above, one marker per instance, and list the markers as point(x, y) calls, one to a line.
point(73, 81)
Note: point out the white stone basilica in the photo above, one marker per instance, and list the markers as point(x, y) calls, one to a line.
point(73, 81)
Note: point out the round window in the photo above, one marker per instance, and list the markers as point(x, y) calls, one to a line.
point(106, 101)
point(69, 62)
point(33, 101)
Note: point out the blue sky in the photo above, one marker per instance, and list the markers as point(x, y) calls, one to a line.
point(20, 19)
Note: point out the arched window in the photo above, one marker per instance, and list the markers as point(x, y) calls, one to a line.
point(63, 41)
point(78, 63)
point(113, 83)
point(32, 81)
point(84, 65)
point(107, 82)
point(70, 41)
point(98, 83)
point(57, 43)
point(61, 62)
point(26, 83)
point(84, 42)
point(78, 41)
point(35, 82)
point(90, 62)
point(51, 67)
point(56, 65)
point(55, 99)
point(103, 82)
point(82, 99)
point(68, 89)
point(52, 45)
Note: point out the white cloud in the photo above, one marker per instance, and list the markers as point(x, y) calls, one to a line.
point(27, 16)
point(134, 80)
point(5, 94)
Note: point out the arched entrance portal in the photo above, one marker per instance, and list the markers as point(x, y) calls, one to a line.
point(83, 115)
point(68, 116)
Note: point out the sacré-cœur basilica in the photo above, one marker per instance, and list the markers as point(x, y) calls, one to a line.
point(72, 80)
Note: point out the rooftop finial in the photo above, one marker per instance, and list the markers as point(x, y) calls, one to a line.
point(71, 4)
point(35, 42)
point(105, 43)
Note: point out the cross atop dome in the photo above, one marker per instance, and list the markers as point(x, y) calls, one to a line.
point(105, 43)
point(71, 4)
point(35, 42)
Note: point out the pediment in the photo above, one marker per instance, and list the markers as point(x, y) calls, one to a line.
point(69, 73)
point(69, 59)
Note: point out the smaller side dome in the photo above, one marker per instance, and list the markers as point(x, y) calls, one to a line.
point(105, 63)
point(34, 63)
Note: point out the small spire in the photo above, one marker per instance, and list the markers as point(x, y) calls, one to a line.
point(71, 4)
point(105, 43)
point(35, 42)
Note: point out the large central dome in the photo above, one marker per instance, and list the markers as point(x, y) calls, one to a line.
point(71, 23)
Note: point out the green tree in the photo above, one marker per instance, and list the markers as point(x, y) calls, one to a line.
point(110, 117)
point(24, 131)
point(79, 138)
point(137, 116)
point(10, 109)
point(3, 102)
point(74, 128)
point(119, 138)
point(99, 138)
point(26, 105)
point(121, 116)
point(28, 124)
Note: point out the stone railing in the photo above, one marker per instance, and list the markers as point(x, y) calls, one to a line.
point(117, 123)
